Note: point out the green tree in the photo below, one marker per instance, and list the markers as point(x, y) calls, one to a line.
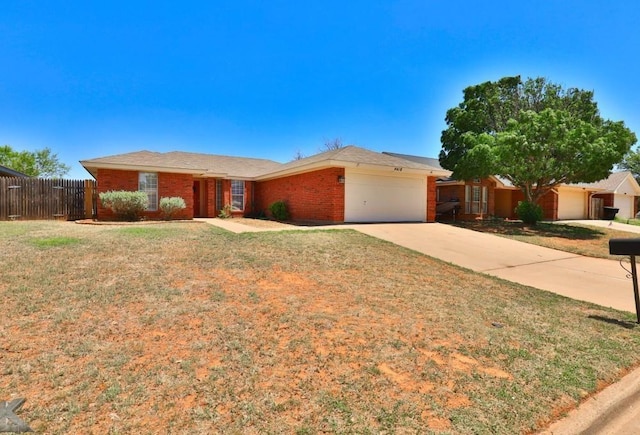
point(533, 133)
point(631, 162)
point(39, 163)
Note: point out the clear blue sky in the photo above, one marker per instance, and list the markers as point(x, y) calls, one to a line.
point(270, 78)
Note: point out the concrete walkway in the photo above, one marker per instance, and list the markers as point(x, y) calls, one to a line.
point(616, 409)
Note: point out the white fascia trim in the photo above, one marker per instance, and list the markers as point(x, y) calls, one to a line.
point(585, 189)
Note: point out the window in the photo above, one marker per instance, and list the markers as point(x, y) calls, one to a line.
point(219, 194)
point(485, 196)
point(237, 195)
point(148, 183)
point(474, 198)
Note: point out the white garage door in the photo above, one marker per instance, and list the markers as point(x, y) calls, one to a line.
point(375, 197)
point(571, 205)
point(624, 204)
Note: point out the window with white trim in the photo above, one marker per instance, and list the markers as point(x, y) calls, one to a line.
point(148, 183)
point(475, 197)
point(485, 199)
point(237, 195)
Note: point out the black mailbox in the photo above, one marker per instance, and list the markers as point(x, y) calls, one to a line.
point(630, 247)
point(624, 246)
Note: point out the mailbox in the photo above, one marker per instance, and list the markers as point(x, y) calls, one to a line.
point(630, 247)
point(624, 246)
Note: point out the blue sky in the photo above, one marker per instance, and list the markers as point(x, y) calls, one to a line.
point(268, 79)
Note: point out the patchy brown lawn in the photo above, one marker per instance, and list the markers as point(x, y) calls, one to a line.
point(185, 328)
point(578, 239)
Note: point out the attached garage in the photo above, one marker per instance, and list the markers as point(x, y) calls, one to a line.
point(624, 204)
point(571, 204)
point(384, 197)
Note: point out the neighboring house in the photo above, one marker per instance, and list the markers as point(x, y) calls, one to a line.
point(8, 172)
point(350, 184)
point(497, 197)
point(620, 190)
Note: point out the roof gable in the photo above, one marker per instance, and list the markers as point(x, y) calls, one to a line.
point(616, 182)
point(351, 156)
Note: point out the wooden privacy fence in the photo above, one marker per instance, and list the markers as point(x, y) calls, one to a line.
point(36, 198)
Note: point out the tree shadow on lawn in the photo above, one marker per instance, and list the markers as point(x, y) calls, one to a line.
point(627, 324)
point(542, 229)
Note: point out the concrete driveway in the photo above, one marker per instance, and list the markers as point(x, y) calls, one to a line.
point(600, 281)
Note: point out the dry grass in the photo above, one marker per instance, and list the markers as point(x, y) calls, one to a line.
point(185, 328)
point(578, 239)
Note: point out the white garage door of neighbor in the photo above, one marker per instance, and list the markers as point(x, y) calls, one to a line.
point(384, 198)
point(571, 205)
point(624, 204)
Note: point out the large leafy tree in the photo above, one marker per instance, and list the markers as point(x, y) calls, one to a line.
point(533, 133)
point(39, 163)
point(631, 162)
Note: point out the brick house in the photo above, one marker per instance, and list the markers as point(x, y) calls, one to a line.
point(497, 197)
point(350, 184)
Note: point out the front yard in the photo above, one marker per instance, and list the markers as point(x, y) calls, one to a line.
point(185, 328)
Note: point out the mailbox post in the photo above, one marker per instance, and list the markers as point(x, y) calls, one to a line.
point(630, 247)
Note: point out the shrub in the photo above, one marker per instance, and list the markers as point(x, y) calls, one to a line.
point(279, 211)
point(225, 213)
point(171, 206)
point(125, 205)
point(529, 212)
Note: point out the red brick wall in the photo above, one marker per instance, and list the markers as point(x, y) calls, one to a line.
point(313, 195)
point(431, 199)
point(457, 191)
point(210, 208)
point(168, 185)
point(607, 199)
point(549, 204)
point(448, 193)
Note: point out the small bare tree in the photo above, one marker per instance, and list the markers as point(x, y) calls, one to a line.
point(298, 155)
point(330, 145)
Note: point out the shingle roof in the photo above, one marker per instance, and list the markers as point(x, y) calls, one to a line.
point(8, 172)
point(354, 154)
point(242, 167)
point(429, 161)
point(609, 184)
